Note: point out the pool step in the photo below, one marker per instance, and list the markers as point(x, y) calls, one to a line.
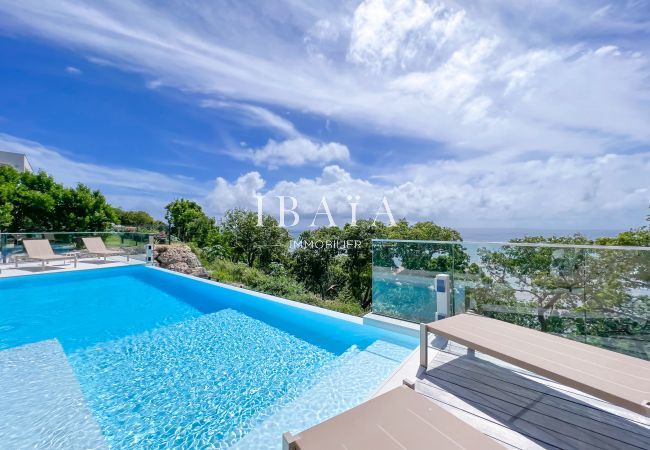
point(336, 390)
point(194, 384)
point(41, 401)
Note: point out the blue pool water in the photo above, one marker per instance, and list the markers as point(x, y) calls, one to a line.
point(167, 361)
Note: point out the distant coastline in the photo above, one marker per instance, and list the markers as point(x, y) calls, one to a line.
point(505, 234)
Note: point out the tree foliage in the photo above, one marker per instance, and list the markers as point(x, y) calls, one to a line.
point(593, 294)
point(35, 202)
point(135, 218)
point(315, 262)
point(189, 223)
point(252, 244)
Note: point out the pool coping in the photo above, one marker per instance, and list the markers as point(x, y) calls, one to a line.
point(273, 298)
point(370, 319)
point(383, 323)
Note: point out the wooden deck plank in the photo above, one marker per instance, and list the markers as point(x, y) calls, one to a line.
point(519, 403)
point(443, 356)
point(617, 378)
point(582, 410)
point(539, 428)
point(542, 415)
point(477, 418)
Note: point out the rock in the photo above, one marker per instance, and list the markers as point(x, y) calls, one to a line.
point(179, 258)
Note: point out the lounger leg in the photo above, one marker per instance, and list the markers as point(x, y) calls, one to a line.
point(288, 441)
point(471, 353)
point(43, 265)
point(424, 345)
point(75, 261)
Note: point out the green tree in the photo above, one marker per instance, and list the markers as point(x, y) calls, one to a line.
point(542, 277)
point(5, 215)
point(83, 209)
point(188, 222)
point(8, 183)
point(358, 261)
point(315, 262)
point(35, 202)
point(202, 230)
point(256, 245)
point(135, 218)
point(638, 237)
point(433, 257)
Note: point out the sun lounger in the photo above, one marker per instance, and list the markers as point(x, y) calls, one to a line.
point(616, 378)
point(399, 419)
point(95, 246)
point(41, 250)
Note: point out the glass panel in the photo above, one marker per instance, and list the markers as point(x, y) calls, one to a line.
point(533, 286)
point(404, 284)
point(63, 242)
point(593, 294)
point(617, 301)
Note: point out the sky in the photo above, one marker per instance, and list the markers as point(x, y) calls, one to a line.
point(476, 113)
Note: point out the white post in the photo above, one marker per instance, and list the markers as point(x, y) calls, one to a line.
point(443, 296)
point(150, 250)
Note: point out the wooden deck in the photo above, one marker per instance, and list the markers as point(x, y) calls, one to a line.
point(523, 410)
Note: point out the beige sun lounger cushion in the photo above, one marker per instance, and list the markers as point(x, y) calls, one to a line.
point(96, 246)
point(397, 420)
point(41, 250)
point(619, 379)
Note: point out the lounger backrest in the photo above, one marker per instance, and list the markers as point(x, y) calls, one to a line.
point(94, 244)
point(37, 248)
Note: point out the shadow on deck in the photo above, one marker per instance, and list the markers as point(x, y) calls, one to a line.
point(523, 410)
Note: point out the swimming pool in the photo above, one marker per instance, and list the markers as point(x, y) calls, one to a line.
point(164, 360)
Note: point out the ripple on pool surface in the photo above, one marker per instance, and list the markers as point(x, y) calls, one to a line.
point(40, 401)
point(341, 385)
point(196, 383)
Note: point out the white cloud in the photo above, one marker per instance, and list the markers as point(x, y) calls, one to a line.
point(127, 187)
point(591, 193)
point(556, 112)
point(457, 74)
point(255, 116)
point(295, 152)
point(242, 193)
point(73, 70)
point(397, 34)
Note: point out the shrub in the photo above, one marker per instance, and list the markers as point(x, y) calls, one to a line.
point(278, 283)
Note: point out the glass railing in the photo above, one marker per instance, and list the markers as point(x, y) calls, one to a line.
point(134, 244)
point(596, 294)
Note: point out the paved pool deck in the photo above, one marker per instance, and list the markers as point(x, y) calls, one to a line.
point(34, 267)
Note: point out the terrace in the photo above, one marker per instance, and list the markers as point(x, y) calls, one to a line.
point(14, 261)
point(589, 294)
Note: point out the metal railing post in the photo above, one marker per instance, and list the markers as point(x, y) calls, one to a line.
point(424, 345)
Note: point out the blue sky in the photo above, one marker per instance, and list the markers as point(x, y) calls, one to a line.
point(469, 113)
